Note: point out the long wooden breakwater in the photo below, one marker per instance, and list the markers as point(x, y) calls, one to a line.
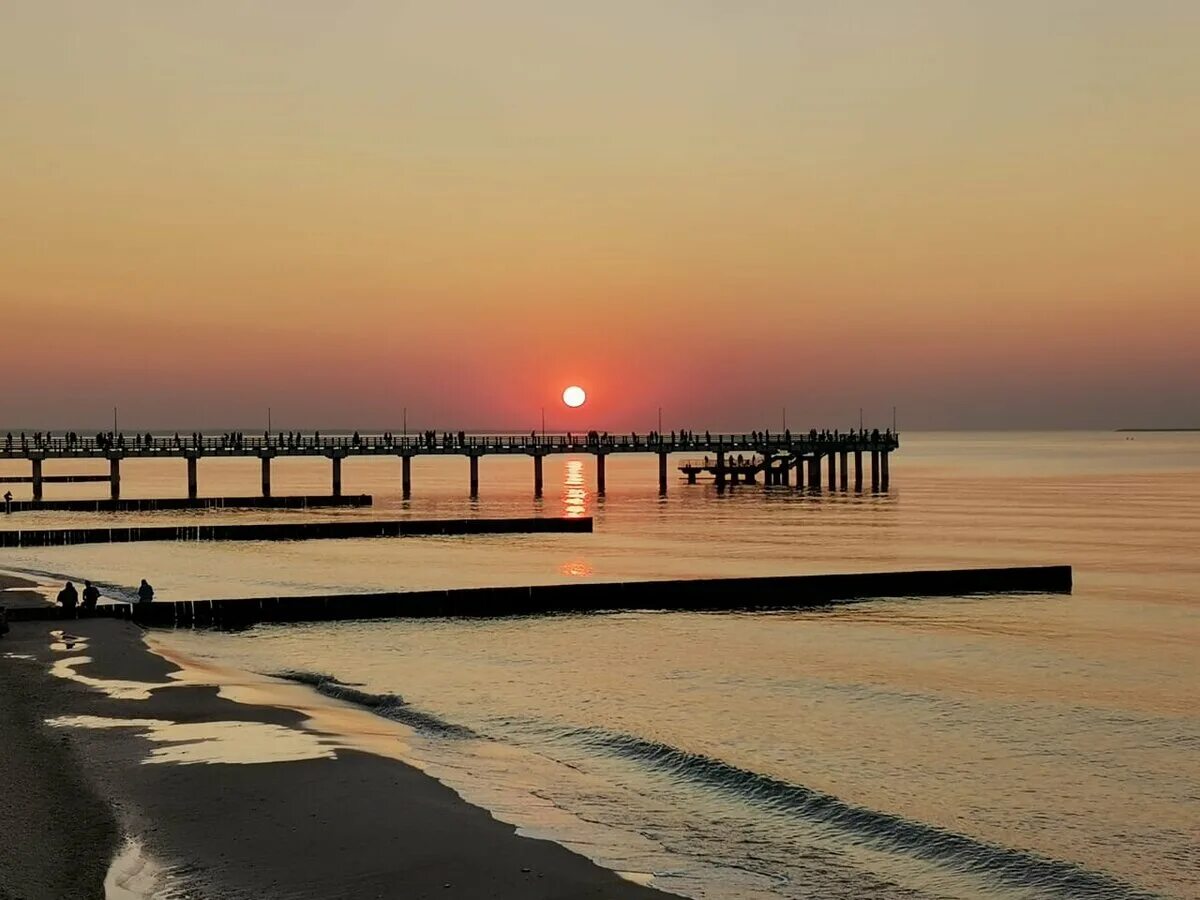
point(291, 531)
point(689, 595)
point(158, 504)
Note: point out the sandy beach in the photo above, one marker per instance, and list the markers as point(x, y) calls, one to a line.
point(113, 750)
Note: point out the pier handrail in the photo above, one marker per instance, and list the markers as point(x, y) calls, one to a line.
point(314, 443)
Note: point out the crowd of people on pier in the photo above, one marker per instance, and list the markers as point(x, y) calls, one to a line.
point(429, 440)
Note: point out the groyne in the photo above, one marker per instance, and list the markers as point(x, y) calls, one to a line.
point(290, 531)
point(156, 504)
point(690, 595)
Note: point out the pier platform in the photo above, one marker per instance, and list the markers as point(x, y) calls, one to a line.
point(782, 452)
point(690, 595)
point(290, 531)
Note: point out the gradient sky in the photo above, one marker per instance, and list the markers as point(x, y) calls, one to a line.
point(986, 214)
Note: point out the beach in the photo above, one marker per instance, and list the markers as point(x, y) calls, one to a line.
point(257, 802)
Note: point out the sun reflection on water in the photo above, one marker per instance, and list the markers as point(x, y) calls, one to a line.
point(575, 493)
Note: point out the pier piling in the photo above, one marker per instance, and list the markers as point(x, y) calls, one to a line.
point(114, 477)
point(600, 473)
point(662, 473)
point(36, 466)
point(406, 476)
point(192, 479)
point(537, 476)
point(474, 477)
point(266, 475)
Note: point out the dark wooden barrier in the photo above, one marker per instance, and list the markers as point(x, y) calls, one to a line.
point(290, 531)
point(154, 504)
point(704, 595)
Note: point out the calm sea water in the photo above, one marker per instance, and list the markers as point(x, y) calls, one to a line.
point(992, 746)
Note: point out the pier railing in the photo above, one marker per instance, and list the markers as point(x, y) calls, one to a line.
point(455, 443)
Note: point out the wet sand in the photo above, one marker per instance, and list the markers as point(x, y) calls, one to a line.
point(319, 820)
point(17, 592)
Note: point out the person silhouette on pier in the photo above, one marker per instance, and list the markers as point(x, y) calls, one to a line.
point(91, 597)
point(145, 592)
point(68, 599)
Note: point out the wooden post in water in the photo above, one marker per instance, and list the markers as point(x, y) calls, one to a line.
point(785, 473)
point(35, 465)
point(537, 476)
point(858, 469)
point(192, 479)
point(600, 474)
point(814, 471)
point(662, 473)
point(832, 471)
point(266, 474)
point(720, 471)
point(844, 469)
point(874, 468)
point(474, 476)
point(883, 475)
point(336, 465)
point(406, 475)
point(114, 477)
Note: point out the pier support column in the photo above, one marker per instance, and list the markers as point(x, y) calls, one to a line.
point(858, 470)
point(785, 474)
point(720, 471)
point(36, 466)
point(193, 480)
point(814, 472)
point(600, 474)
point(883, 474)
point(336, 462)
point(662, 474)
point(114, 477)
point(537, 476)
point(406, 476)
point(832, 471)
point(874, 469)
point(844, 469)
point(474, 477)
point(266, 476)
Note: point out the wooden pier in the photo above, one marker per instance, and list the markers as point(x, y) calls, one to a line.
point(781, 454)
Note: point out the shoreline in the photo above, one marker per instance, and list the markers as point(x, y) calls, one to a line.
point(234, 785)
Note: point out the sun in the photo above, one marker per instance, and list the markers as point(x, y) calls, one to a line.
point(574, 396)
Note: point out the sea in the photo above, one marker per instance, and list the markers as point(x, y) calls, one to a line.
point(1018, 746)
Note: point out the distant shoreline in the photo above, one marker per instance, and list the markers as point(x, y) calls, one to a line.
point(1152, 430)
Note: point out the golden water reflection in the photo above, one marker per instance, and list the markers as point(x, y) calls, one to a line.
point(575, 493)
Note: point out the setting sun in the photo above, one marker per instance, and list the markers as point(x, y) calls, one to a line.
point(574, 396)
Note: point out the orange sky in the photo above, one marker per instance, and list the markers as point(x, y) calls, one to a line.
point(987, 217)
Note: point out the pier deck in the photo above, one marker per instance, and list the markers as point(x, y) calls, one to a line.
point(782, 452)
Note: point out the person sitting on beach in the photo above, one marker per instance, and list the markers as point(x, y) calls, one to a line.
point(68, 598)
point(90, 597)
point(145, 592)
